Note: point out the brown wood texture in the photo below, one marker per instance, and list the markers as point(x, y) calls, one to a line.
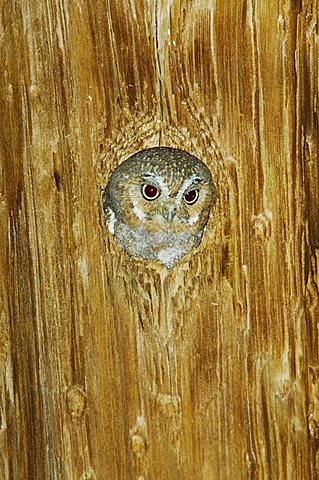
point(112, 368)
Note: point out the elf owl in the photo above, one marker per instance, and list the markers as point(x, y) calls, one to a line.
point(157, 204)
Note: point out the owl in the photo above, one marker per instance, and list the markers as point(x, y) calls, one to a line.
point(157, 204)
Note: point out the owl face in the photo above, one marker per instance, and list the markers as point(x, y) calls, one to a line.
point(157, 203)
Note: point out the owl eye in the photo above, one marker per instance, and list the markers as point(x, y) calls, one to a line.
point(191, 196)
point(150, 192)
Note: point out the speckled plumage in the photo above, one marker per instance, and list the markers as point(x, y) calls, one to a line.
point(165, 228)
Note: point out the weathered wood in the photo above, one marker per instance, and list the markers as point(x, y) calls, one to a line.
point(112, 368)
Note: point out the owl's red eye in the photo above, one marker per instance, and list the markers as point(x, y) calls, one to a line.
point(191, 196)
point(150, 192)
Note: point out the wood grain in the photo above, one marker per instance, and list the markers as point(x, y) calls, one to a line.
point(111, 367)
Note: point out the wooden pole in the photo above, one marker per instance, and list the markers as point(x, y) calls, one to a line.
point(111, 367)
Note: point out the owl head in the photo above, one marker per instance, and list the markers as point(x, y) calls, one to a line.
point(159, 198)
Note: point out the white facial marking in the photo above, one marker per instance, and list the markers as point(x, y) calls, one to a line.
point(186, 185)
point(159, 182)
point(110, 220)
point(193, 219)
point(139, 213)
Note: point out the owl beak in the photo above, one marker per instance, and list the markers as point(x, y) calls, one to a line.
point(169, 214)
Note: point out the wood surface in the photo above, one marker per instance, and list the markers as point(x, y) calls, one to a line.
point(112, 368)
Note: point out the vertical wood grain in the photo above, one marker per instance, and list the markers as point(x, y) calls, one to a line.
point(111, 367)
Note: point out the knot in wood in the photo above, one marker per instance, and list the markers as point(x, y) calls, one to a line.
point(34, 91)
point(168, 404)
point(313, 427)
point(312, 293)
point(139, 437)
point(139, 445)
point(76, 399)
point(261, 226)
